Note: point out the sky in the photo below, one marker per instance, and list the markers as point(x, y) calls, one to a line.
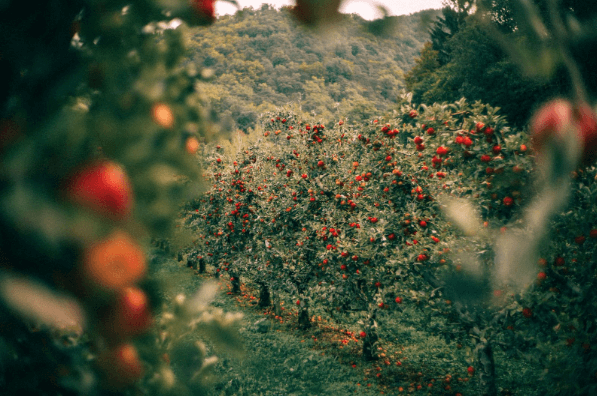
point(365, 8)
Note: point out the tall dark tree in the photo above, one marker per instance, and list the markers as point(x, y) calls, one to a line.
point(446, 26)
point(425, 66)
point(471, 63)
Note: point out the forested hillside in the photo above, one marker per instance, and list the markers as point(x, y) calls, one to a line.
point(261, 59)
point(496, 63)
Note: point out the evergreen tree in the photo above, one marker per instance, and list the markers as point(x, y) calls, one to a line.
point(499, 63)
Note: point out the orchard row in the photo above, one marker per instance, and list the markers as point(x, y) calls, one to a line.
point(406, 209)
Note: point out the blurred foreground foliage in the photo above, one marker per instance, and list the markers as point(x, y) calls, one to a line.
point(99, 124)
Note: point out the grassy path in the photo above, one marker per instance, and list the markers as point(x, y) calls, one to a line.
point(277, 362)
point(280, 360)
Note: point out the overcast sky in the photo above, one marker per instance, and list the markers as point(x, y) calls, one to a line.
point(366, 8)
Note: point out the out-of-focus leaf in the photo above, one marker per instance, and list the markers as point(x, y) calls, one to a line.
point(203, 297)
point(383, 26)
point(515, 258)
point(40, 304)
point(463, 214)
point(314, 13)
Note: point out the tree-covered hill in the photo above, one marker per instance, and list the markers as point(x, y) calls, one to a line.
point(496, 63)
point(261, 59)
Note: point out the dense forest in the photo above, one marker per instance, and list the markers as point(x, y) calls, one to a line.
point(496, 63)
point(262, 59)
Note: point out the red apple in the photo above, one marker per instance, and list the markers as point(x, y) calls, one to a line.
point(550, 120)
point(204, 10)
point(162, 115)
point(555, 118)
point(192, 145)
point(441, 150)
point(102, 187)
point(128, 316)
point(527, 312)
point(113, 263)
point(120, 366)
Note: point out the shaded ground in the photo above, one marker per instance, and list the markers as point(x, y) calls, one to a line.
point(281, 360)
point(278, 360)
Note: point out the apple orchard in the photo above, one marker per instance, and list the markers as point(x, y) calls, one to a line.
point(414, 209)
point(439, 218)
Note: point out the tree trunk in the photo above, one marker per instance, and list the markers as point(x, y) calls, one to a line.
point(191, 263)
point(235, 283)
point(303, 318)
point(264, 296)
point(277, 307)
point(370, 341)
point(201, 266)
point(369, 346)
point(179, 256)
point(486, 369)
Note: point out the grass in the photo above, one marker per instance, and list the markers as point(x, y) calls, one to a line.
point(326, 359)
point(278, 362)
